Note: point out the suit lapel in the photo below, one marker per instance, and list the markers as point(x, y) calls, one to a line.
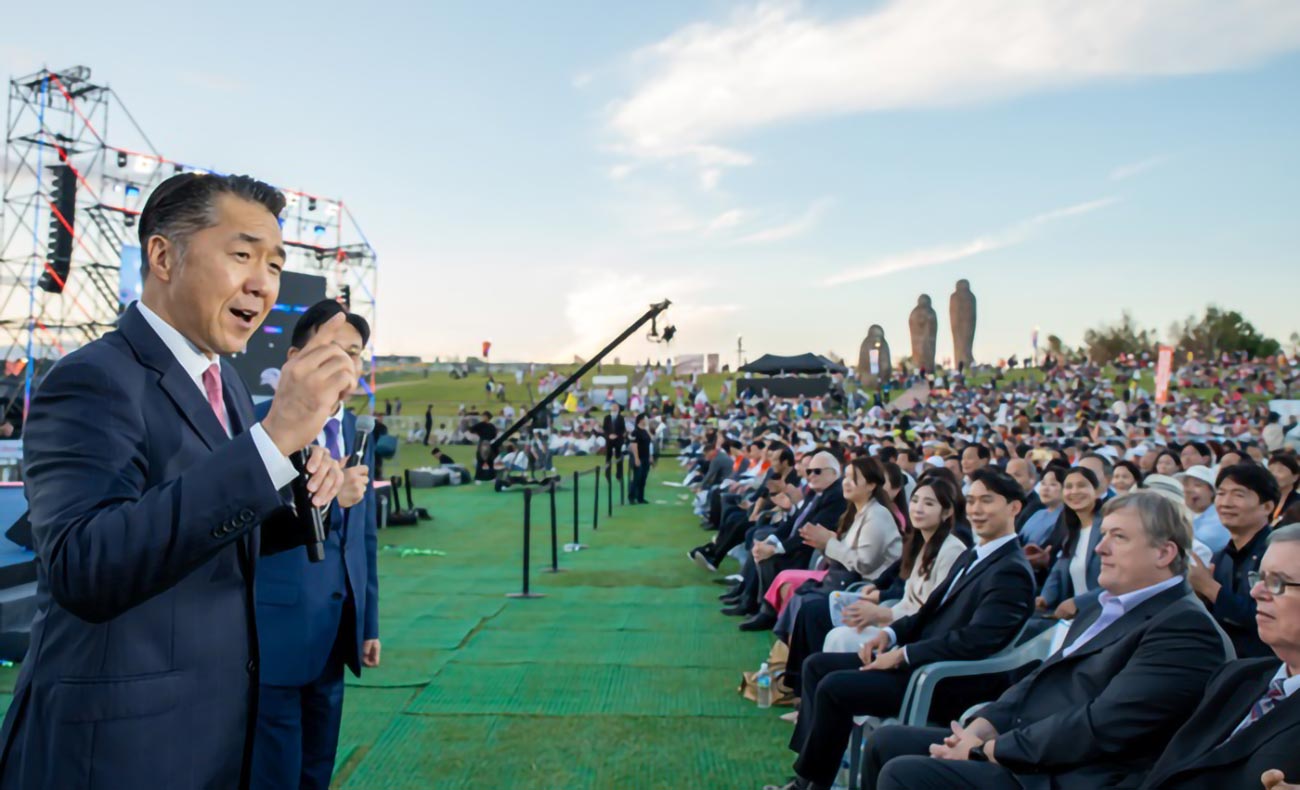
point(1284, 716)
point(238, 407)
point(973, 573)
point(1093, 568)
point(178, 385)
point(1121, 627)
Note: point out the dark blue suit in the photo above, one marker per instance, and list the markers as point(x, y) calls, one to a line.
point(142, 670)
point(311, 620)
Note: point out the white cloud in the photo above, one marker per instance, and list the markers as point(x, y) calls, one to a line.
point(609, 301)
point(777, 62)
point(725, 221)
point(934, 256)
point(1136, 168)
point(788, 230)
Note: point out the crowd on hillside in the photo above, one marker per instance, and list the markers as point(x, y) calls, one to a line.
point(1142, 549)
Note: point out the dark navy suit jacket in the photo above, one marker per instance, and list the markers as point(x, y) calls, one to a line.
point(142, 670)
point(300, 604)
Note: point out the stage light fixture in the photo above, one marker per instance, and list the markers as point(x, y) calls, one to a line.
point(132, 190)
point(121, 159)
point(669, 332)
point(311, 204)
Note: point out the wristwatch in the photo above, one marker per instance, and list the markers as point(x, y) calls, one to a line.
point(977, 754)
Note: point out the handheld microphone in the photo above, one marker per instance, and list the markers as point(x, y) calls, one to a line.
point(308, 514)
point(365, 426)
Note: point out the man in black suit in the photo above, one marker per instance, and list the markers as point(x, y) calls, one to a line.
point(1104, 705)
point(615, 430)
point(783, 548)
point(972, 614)
point(1248, 722)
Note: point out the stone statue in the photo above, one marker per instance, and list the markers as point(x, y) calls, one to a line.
point(875, 340)
point(961, 312)
point(924, 323)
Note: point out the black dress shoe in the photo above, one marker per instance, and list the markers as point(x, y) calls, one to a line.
point(732, 600)
point(763, 621)
point(740, 610)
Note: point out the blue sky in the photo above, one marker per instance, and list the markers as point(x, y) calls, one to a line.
point(535, 173)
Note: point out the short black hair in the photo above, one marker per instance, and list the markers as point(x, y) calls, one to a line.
point(1201, 448)
point(1000, 483)
point(1285, 458)
point(182, 205)
point(1253, 477)
point(981, 451)
point(318, 314)
point(1106, 465)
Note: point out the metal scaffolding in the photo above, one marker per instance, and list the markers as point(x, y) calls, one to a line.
point(58, 130)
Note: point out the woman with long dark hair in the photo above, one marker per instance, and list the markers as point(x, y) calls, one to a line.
point(1077, 565)
point(929, 552)
point(866, 540)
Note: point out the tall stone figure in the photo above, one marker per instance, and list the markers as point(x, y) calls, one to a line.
point(875, 341)
point(924, 323)
point(961, 312)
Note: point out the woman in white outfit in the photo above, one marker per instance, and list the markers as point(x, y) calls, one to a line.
point(928, 555)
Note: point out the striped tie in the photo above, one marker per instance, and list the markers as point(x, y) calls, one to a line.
point(1266, 702)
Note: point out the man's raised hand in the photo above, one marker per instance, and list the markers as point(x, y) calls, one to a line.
point(312, 383)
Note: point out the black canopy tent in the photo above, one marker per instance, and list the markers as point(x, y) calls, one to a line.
point(801, 376)
point(801, 364)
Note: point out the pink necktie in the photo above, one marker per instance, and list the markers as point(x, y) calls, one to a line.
point(212, 383)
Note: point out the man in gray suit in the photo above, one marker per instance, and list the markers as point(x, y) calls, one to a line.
point(1105, 704)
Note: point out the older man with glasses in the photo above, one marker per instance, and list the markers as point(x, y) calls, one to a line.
point(1244, 733)
point(784, 548)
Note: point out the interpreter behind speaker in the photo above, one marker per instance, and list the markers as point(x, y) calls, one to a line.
point(153, 490)
point(314, 619)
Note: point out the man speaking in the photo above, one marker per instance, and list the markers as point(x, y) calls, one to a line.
point(147, 480)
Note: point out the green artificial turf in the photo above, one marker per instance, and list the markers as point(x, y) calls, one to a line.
point(623, 676)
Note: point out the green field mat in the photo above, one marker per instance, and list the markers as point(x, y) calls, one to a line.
point(583, 689)
point(626, 648)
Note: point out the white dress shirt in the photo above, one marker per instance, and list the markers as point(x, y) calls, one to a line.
point(195, 362)
point(1079, 561)
point(1114, 607)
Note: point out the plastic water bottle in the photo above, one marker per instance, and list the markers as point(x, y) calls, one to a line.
point(764, 681)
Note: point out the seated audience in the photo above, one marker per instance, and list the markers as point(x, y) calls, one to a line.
point(1104, 705)
point(928, 555)
point(866, 540)
point(978, 610)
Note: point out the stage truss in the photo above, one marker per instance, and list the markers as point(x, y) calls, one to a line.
point(58, 118)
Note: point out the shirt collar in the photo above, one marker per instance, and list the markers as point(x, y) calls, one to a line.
point(1290, 683)
point(1250, 547)
point(983, 550)
point(1131, 600)
point(191, 359)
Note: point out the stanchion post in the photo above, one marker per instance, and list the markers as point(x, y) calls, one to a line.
point(622, 493)
point(609, 491)
point(595, 501)
point(575, 545)
point(528, 528)
point(555, 538)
